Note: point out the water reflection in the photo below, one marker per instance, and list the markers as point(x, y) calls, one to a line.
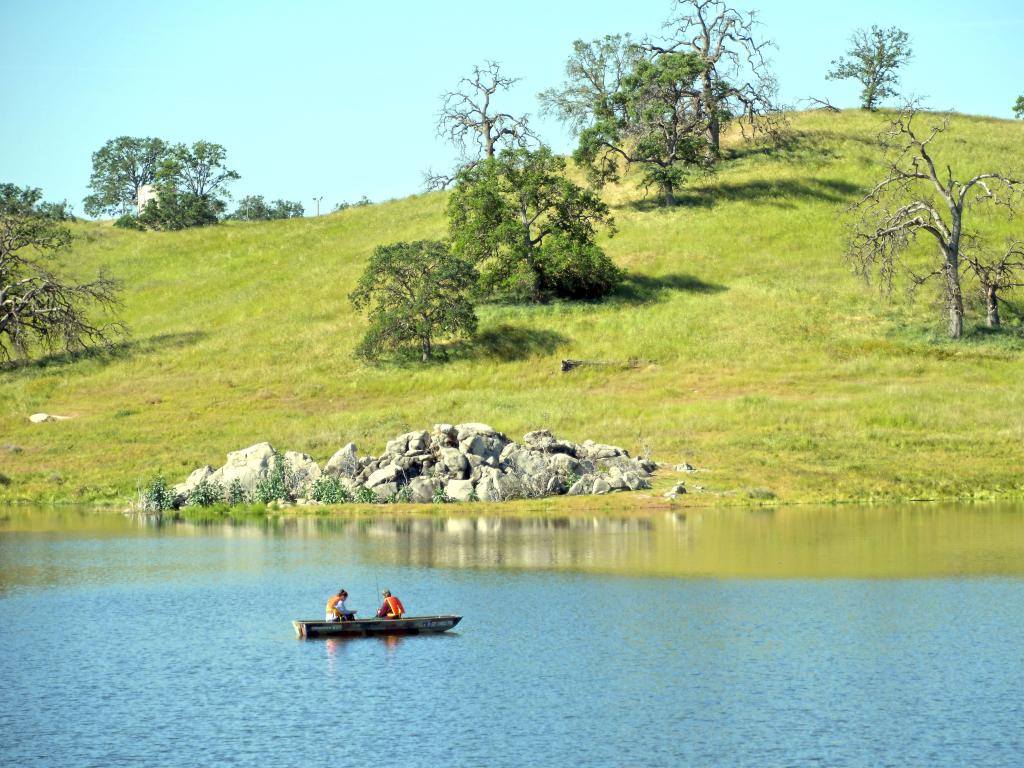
point(894, 541)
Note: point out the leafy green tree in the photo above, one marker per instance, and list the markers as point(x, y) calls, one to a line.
point(37, 307)
point(120, 168)
point(653, 123)
point(255, 208)
point(529, 228)
point(191, 184)
point(286, 209)
point(414, 292)
point(174, 209)
point(874, 57)
point(1018, 108)
point(199, 170)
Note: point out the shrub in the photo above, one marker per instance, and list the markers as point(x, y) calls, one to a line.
point(128, 221)
point(157, 496)
point(440, 497)
point(402, 496)
point(330, 490)
point(365, 495)
point(277, 484)
point(574, 270)
point(206, 494)
point(236, 494)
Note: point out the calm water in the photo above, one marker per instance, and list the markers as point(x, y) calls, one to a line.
point(838, 637)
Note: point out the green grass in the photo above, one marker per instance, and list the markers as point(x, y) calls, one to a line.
point(774, 368)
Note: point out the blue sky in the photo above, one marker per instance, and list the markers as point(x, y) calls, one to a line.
point(340, 100)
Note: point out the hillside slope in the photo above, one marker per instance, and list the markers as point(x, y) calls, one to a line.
point(772, 366)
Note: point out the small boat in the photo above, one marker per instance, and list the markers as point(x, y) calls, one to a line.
point(408, 625)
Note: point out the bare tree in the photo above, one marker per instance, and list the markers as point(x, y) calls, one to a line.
point(735, 78)
point(37, 306)
point(996, 274)
point(915, 196)
point(823, 105)
point(472, 123)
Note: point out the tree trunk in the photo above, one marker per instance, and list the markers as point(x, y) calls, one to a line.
point(992, 300)
point(425, 346)
point(954, 296)
point(668, 193)
point(714, 128)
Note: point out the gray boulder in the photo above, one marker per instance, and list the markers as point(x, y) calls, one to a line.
point(422, 489)
point(344, 463)
point(495, 485)
point(304, 471)
point(248, 466)
point(182, 490)
point(386, 474)
point(601, 486)
point(454, 461)
point(385, 491)
point(464, 431)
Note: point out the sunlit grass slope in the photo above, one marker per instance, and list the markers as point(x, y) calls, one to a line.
point(771, 366)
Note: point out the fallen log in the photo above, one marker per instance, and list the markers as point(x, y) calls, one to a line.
point(568, 365)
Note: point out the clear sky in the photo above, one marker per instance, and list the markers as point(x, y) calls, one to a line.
point(340, 99)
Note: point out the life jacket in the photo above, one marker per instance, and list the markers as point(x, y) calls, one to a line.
point(333, 601)
point(395, 607)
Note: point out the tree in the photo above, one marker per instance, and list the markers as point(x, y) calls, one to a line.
point(996, 273)
point(175, 209)
point(37, 307)
point(529, 228)
point(191, 183)
point(594, 82)
point(471, 123)
point(875, 56)
point(656, 126)
point(120, 168)
point(198, 169)
point(915, 197)
point(414, 292)
point(255, 208)
point(1018, 108)
point(735, 81)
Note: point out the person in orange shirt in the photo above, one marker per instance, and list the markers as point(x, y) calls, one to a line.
point(336, 609)
point(392, 607)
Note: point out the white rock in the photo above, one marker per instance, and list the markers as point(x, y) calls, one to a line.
point(305, 471)
point(344, 463)
point(40, 418)
point(459, 490)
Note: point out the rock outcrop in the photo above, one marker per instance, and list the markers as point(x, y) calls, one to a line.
point(450, 462)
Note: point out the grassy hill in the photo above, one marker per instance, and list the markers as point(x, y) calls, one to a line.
point(772, 366)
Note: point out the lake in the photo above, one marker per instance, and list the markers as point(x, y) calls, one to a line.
point(840, 636)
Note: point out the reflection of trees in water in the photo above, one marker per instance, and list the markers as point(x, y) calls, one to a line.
point(877, 541)
point(472, 542)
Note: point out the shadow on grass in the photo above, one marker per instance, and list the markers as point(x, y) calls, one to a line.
point(117, 351)
point(504, 342)
point(647, 289)
point(507, 342)
point(783, 193)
